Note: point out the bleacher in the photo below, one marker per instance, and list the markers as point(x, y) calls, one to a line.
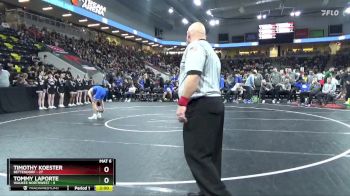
point(15, 50)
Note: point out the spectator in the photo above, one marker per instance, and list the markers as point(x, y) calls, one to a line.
point(329, 73)
point(284, 89)
point(236, 90)
point(315, 89)
point(4, 77)
point(304, 91)
point(130, 93)
point(266, 89)
point(275, 79)
point(328, 92)
point(258, 80)
point(249, 87)
point(222, 82)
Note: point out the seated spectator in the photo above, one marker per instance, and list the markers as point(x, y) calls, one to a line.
point(22, 80)
point(328, 92)
point(284, 88)
point(222, 83)
point(315, 89)
point(4, 77)
point(266, 89)
point(130, 93)
point(304, 91)
point(236, 91)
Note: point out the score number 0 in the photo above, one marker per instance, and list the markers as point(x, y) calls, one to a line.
point(106, 170)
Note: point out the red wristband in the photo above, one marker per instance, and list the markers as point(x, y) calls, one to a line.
point(183, 101)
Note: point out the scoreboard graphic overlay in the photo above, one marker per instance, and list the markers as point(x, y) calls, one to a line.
point(61, 174)
point(276, 33)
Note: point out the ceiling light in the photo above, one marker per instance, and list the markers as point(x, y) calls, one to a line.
point(347, 10)
point(128, 37)
point(138, 39)
point(23, 1)
point(155, 45)
point(217, 22)
point(295, 13)
point(185, 21)
point(151, 43)
point(209, 13)
point(171, 10)
point(259, 17)
point(93, 25)
point(104, 28)
point(67, 15)
point(115, 31)
point(145, 41)
point(83, 20)
point(47, 8)
point(197, 2)
point(264, 16)
point(212, 22)
point(124, 34)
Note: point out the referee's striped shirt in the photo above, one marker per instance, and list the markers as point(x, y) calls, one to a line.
point(200, 58)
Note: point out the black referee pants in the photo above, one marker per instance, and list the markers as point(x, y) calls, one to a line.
point(202, 136)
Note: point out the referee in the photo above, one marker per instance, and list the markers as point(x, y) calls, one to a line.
point(202, 112)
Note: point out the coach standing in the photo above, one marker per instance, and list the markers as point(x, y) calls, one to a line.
point(202, 112)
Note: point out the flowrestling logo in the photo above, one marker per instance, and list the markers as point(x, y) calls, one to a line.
point(91, 6)
point(334, 12)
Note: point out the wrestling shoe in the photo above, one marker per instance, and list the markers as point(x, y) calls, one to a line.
point(93, 117)
point(99, 115)
point(263, 101)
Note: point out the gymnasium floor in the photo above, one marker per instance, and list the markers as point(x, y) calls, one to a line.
point(268, 149)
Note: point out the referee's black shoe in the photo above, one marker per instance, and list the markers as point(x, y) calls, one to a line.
point(195, 194)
